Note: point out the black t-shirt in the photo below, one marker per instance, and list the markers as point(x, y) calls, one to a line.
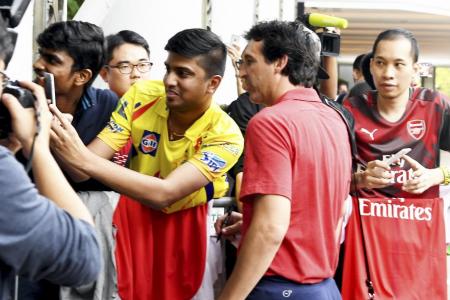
point(241, 111)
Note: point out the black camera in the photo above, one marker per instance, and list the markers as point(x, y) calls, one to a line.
point(331, 42)
point(25, 98)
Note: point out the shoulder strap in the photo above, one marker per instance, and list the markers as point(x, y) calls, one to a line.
point(348, 119)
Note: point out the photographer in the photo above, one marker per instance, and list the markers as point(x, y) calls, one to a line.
point(45, 231)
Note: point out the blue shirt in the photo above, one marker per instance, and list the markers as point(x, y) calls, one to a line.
point(39, 240)
point(93, 113)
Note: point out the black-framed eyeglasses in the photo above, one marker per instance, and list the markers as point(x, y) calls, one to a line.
point(127, 68)
point(5, 79)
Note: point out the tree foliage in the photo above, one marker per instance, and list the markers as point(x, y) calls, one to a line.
point(443, 80)
point(72, 8)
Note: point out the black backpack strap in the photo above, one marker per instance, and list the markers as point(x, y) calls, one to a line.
point(349, 121)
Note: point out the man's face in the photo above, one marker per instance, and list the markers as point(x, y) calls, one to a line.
point(187, 86)
point(126, 54)
point(357, 75)
point(256, 73)
point(393, 68)
point(59, 63)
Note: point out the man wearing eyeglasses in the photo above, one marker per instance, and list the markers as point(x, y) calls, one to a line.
point(127, 61)
point(73, 51)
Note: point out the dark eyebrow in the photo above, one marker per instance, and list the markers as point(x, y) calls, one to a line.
point(179, 68)
point(129, 62)
point(49, 56)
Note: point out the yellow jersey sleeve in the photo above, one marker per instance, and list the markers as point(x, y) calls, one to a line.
point(118, 130)
point(219, 150)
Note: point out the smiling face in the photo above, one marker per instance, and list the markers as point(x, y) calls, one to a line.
point(125, 54)
point(393, 68)
point(188, 87)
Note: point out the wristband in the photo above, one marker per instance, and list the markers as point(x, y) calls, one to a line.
point(446, 175)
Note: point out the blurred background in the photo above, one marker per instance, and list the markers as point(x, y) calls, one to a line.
point(159, 20)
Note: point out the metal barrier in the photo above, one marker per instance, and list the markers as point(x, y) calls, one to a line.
point(224, 202)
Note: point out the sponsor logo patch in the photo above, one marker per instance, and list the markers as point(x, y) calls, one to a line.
point(214, 162)
point(149, 142)
point(232, 149)
point(416, 128)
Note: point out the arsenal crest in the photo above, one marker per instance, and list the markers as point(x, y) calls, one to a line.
point(416, 128)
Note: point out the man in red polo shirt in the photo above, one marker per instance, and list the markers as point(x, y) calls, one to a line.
point(297, 172)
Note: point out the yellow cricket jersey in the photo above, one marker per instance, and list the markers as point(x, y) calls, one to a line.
point(212, 144)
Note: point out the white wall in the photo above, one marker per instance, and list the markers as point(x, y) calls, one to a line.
point(157, 21)
point(22, 60)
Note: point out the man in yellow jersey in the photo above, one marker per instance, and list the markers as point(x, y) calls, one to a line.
point(183, 144)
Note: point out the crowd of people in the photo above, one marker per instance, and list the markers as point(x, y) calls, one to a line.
point(325, 207)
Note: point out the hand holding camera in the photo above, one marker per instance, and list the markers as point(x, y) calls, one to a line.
point(28, 123)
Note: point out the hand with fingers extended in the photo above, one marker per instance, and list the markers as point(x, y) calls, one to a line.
point(234, 52)
point(376, 175)
point(65, 141)
point(233, 225)
point(24, 121)
point(422, 178)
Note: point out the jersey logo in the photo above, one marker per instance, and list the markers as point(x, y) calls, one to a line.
point(114, 127)
point(149, 142)
point(370, 133)
point(416, 128)
point(214, 162)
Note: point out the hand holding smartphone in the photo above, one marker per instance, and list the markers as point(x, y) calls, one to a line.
point(49, 87)
point(397, 156)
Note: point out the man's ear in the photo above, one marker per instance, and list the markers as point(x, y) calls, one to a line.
point(214, 83)
point(104, 74)
point(371, 65)
point(280, 63)
point(416, 68)
point(83, 77)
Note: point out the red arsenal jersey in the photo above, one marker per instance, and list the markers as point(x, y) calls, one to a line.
point(424, 128)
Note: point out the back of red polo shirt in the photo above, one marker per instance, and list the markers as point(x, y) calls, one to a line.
point(299, 148)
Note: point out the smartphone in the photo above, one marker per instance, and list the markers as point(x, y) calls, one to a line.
point(49, 87)
point(234, 39)
point(397, 156)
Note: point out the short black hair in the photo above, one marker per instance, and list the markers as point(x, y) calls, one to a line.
point(289, 38)
point(342, 81)
point(83, 41)
point(357, 62)
point(397, 33)
point(113, 41)
point(202, 43)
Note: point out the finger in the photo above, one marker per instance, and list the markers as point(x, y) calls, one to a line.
point(218, 223)
point(68, 117)
point(376, 182)
point(415, 165)
point(232, 229)
point(378, 164)
point(414, 190)
point(60, 116)
point(37, 90)
point(54, 139)
point(418, 173)
point(12, 104)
